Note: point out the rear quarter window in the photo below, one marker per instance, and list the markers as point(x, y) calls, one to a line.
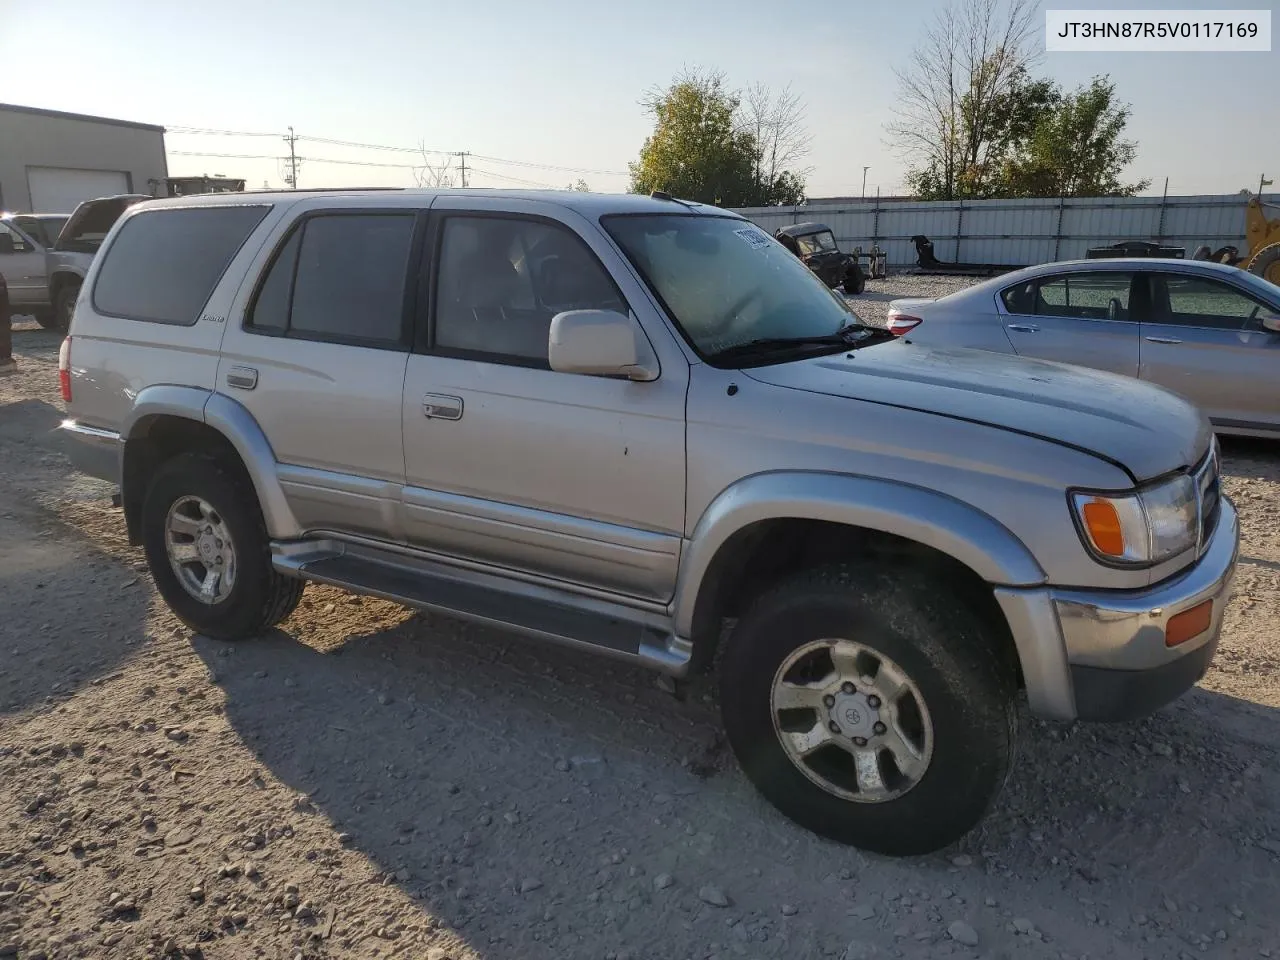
point(163, 264)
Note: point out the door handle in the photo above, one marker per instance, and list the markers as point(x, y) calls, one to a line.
point(439, 406)
point(1162, 339)
point(242, 378)
point(1023, 328)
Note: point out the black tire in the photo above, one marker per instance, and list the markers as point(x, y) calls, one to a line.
point(854, 282)
point(968, 687)
point(260, 597)
point(47, 317)
point(1266, 263)
point(64, 306)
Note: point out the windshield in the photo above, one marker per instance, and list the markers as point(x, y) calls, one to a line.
point(1262, 286)
point(43, 229)
point(816, 243)
point(91, 223)
point(726, 282)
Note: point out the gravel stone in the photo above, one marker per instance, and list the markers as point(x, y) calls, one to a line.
point(961, 932)
point(713, 895)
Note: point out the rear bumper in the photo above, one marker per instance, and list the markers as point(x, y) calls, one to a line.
point(1102, 655)
point(92, 450)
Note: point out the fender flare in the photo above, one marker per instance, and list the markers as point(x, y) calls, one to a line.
point(953, 527)
point(235, 423)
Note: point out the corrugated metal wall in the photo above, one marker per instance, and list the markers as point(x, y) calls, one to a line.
point(1021, 232)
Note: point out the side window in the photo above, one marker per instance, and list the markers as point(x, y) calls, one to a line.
point(339, 277)
point(502, 280)
point(1195, 302)
point(164, 264)
point(1020, 299)
point(13, 242)
point(1085, 296)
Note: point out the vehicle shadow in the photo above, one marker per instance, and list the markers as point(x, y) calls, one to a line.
point(69, 611)
point(533, 797)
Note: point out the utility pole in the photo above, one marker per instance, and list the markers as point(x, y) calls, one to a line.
point(864, 182)
point(1263, 182)
point(293, 160)
point(462, 154)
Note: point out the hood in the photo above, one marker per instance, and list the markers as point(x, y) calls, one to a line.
point(1147, 430)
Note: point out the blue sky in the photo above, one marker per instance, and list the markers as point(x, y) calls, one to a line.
point(558, 83)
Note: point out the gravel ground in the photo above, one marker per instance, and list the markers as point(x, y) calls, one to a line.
point(371, 782)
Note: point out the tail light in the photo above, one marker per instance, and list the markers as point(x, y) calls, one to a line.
point(901, 323)
point(64, 369)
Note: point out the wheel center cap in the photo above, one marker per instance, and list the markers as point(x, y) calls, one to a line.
point(853, 715)
point(207, 547)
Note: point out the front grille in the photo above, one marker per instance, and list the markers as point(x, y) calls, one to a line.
point(1208, 494)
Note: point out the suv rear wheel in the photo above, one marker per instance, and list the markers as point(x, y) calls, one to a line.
point(870, 707)
point(208, 550)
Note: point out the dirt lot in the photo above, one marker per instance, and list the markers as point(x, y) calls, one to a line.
point(368, 782)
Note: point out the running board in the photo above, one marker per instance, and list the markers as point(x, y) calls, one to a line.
point(545, 613)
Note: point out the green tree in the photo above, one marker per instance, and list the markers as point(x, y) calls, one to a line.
point(1077, 148)
point(704, 149)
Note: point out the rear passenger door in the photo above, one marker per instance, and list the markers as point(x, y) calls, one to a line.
point(155, 303)
point(317, 355)
point(1086, 318)
point(1205, 341)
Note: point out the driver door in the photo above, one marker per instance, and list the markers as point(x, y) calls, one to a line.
point(568, 477)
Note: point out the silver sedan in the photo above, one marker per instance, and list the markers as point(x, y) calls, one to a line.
point(1204, 330)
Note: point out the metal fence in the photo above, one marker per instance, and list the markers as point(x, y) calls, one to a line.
point(1020, 232)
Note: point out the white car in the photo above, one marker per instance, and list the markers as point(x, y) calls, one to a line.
point(1207, 331)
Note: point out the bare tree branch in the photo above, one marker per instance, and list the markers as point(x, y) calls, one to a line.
point(434, 174)
point(969, 59)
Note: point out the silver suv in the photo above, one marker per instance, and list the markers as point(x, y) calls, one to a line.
point(626, 423)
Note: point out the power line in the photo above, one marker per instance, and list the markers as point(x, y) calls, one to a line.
point(228, 156)
point(219, 133)
point(357, 145)
point(551, 166)
point(375, 146)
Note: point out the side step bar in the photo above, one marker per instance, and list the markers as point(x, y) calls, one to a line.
point(532, 610)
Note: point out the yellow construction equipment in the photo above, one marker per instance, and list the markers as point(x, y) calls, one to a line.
point(1263, 236)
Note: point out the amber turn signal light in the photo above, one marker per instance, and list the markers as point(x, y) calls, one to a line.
point(1188, 624)
point(1103, 523)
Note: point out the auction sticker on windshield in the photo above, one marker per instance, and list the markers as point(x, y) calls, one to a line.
point(754, 237)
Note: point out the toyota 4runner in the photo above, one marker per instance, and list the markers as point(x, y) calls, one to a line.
point(625, 423)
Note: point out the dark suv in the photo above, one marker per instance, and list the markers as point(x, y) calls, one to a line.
point(815, 244)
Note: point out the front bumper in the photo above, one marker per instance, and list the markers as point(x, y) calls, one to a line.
point(92, 450)
point(1101, 654)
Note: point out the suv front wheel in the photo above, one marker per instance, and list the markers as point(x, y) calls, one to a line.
point(871, 707)
point(64, 307)
point(208, 550)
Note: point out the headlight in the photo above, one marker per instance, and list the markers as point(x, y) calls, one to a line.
point(1142, 528)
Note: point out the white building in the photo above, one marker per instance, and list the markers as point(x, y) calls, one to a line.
point(50, 161)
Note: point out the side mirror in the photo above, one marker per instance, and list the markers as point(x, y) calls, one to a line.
point(1271, 321)
point(6, 243)
point(600, 342)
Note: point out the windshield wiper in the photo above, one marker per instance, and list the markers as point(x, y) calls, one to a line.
point(851, 337)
